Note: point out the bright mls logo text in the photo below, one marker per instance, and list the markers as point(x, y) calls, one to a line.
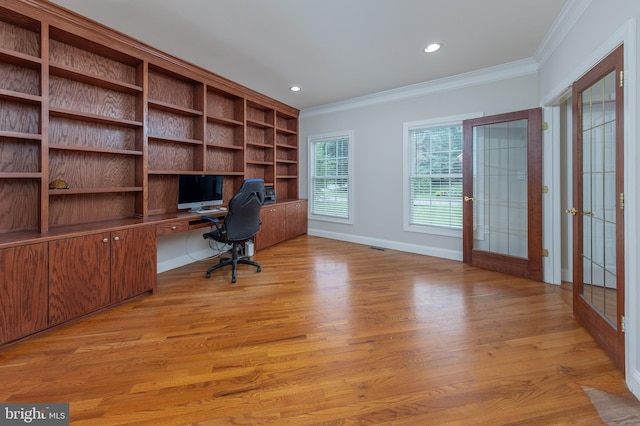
point(49, 414)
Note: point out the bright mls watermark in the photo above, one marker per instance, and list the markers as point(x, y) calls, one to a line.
point(34, 414)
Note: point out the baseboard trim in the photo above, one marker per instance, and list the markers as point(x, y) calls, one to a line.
point(393, 245)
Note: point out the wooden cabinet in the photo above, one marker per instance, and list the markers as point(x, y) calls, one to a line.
point(23, 291)
point(273, 227)
point(90, 272)
point(296, 218)
point(133, 262)
point(79, 276)
point(280, 222)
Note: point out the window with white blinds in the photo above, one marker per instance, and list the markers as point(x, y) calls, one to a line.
point(433, 186)
point(330, 183)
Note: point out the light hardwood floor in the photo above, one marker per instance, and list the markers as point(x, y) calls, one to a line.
point(329, 333)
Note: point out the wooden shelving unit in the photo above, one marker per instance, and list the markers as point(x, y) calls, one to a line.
point(21, 150)
point(225, 135)
point(95, 130)
point(118, 121)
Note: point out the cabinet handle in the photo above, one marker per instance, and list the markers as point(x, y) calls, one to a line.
point(116, 238)
point(105, 240)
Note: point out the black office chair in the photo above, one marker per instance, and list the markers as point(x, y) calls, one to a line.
point(241, 223)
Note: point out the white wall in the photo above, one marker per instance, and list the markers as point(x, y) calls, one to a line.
point(378, 147)
point(602, 26)
point(183, 248)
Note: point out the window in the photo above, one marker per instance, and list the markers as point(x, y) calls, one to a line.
point(330, 183)
point(433, 176)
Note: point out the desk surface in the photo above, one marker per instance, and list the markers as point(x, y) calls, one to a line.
point(192, 221)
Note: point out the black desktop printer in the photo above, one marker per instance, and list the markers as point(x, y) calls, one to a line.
point(269, 195)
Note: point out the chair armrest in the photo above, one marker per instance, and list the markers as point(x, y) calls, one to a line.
point(210, 219)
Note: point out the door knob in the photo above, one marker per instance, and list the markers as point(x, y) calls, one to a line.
point(573, 211)
point(467, 199)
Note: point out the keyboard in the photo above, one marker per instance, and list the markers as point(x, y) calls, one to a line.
point(205, 211)
point(213, 210)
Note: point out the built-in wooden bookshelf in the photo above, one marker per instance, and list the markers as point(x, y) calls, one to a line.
point(118, 121)
point(95, 130)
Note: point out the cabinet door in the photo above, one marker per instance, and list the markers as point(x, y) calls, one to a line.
point(296, 218)
point(78, 276)
point(133, 265)
point(23, 291)
point(273, 228)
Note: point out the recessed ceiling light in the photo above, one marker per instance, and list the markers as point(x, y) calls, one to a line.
point(294, 88)
point(432, 48)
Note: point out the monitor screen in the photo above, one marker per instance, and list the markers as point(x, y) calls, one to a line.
point(196, 192)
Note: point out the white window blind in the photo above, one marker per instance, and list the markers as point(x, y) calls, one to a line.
point(435, 176)
point(330, 176)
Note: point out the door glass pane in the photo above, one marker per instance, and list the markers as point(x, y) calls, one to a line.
point(599, 197)
point(500, 188)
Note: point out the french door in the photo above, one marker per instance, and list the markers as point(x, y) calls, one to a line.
point(502, 189)
point(598, 210)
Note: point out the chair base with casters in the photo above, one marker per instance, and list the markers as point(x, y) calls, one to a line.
point(233, 261)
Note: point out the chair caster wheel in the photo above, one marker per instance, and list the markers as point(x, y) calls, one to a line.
point(259, 269)
point(207, 275)
point(233, 280)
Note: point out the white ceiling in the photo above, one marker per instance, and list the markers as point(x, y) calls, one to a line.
point(333, 49)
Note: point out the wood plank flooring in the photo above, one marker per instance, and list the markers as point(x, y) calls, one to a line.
point(329, 333)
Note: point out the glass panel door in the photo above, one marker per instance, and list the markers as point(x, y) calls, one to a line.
point(599, 197)
point(598, 210)
point(500, 188)
point(502, 185)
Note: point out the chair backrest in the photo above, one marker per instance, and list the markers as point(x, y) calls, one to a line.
point(243, 217)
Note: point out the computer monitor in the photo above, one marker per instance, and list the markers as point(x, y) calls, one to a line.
point(196, 192)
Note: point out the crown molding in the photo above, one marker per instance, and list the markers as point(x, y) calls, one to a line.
point(472, 78)
point(569, 15)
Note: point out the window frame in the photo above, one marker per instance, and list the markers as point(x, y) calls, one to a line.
point(449, 121)
point(312, 140)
